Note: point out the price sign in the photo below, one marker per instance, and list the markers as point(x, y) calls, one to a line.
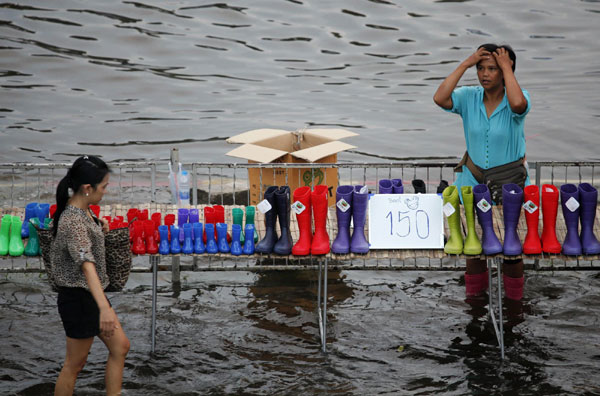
point(406, 221)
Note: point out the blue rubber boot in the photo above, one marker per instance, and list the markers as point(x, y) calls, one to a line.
point(385, 186)
point(175, 246)
point(236, 246)
point(30, 212)
point(163, 247)
point(188, 245)
point(397, 187)
point(222, 238)
point(211, 244)
point(199, 247)
point(249, 242)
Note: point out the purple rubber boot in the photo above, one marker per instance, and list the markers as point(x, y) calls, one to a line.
point(282, 203)
point(569, 200)
point(397, 187)
point(385, 186)
point(265, 246)
point(343, 211)
point(360, 202)
point(483, 206)
point(588, 196)
point(512, 201)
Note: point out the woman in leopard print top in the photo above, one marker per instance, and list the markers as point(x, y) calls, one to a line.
point(79, 269)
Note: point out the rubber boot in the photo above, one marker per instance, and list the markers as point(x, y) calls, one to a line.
point(33, 243)
point(266, 245)
point(175, 245)
point(483, 207)
point(385, 186)
point(183, 215)
point(5, 234)
point(220, 218)
point(94, 208)
point(531, 196)
point(52, 210)
point(476, 284)
point(588, 197)
point(397, 187)
point(513, 287)
point(250, 212)
point(157, 220)
point(302, 199)
point(283, 246)
point(550, 243)
point(441, 187)
point(472, 244)
point(164, 246)
point(236, 246)
point(320, 240)
point(143, 215)
point(569, 196)
point(132, 214)
point(454, 245)
point(238, 217)
point(150, 237)
point(343, 212)
point(211, 244)
point(249, 242)
point(138, 246)
point(360, 202)
point(30, 212)
point(193, 217)
point(209, 218)
point(15, 246)
point(222, 238)
point(419, 186)
point(188, 244)
point(47, 222)
point(199, 247)
point(169, 221)
point(512, 201)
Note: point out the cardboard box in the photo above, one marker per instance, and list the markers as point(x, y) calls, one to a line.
point(311, 146)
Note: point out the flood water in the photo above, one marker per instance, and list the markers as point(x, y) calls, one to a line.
point(129, 80)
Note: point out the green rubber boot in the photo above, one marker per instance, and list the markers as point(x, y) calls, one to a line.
point(47, 222)
point(15, 246)
point(5, 234)
point(250, 212)
point(238, 218)
point(33, 243)
point(455, 241)
point(472, 244)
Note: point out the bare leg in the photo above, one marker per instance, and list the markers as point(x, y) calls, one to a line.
point(77, 353)
point(118, 346)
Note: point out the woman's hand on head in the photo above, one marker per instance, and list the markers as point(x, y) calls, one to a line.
point(503, 59)
point(477, 56)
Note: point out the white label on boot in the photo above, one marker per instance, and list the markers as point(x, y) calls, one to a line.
point(484, 205)
point(530, 206)
point(343, 205)
point(572, 204)
point(364, 190)
point(264, 206)
point(448, 209)
point(548, 189)
point(298, 207)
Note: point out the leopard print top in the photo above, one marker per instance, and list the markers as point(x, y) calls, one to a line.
point(78, 239)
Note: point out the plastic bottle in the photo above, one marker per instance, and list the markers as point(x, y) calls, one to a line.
point(184, 188)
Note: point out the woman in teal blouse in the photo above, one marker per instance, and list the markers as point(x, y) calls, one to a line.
point(493, 118)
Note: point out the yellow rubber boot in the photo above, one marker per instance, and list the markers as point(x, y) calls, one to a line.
point(452, 201)
point(472, 244)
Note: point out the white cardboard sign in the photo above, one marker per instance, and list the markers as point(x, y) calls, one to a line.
point(406, 221)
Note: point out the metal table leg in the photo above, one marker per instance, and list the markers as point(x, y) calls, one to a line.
point(154, 260)
point(499, 322)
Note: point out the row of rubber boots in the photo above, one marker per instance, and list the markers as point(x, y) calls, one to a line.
point(578, 206)
point(13, 230)
point(190, 236)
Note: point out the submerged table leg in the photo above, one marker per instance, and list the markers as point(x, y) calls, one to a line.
point(497, 323)
point(154, 262)
point(325, 307)
point(319, 313)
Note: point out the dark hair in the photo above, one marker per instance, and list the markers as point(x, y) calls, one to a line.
point(508, 48)
point(85, 170)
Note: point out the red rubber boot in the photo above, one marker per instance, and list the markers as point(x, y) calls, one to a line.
point(132, 214)
point(220, 218)
point(531, 196)
point(149, 230)
point(320, 241)
point(169, 221)
point(209, 218)
point(550, 196)
point(138, 246)
point(302, 196)
point(96, 210)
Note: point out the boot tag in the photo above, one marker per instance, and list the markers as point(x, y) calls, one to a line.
point(484, 205)
point(298, 207)
point(264, 206)
point(343, 205)
point(449, 209)
point(530, 206)
point(572, 204)
point(549, 190)
point(364, 190)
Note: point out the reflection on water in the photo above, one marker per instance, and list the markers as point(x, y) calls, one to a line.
point(388, 332)
point(141, 77)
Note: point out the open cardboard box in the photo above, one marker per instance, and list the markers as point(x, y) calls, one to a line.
point(310, 146)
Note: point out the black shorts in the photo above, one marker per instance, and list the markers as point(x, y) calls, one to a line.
point(79, 312)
